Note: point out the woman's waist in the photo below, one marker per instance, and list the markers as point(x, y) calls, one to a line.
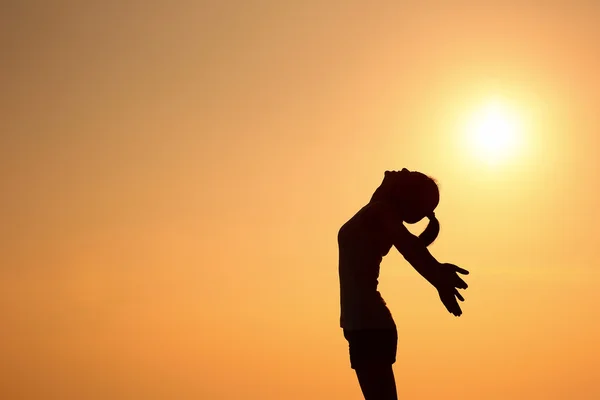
point(359, 314)
point(351, 295)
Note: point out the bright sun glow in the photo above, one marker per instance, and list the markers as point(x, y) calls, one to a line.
point(494, 132)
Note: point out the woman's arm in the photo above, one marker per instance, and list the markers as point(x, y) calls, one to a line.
point(444, 277)
point(409, 245)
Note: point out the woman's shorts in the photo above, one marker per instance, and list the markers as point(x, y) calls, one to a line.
point(372, 346)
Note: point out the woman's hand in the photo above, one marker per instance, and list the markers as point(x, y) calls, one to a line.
point(447, 282)
point(449, 298)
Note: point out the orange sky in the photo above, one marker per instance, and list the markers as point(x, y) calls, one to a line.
point(174, 175)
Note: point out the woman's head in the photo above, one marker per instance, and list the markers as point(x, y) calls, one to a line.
point(415, 195)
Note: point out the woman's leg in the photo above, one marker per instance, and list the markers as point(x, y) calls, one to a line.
point(377, 381)
point(372, 353)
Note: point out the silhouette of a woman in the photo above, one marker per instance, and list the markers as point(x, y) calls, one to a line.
point(368, 326)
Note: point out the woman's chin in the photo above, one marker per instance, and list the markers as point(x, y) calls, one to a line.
point(412, 220)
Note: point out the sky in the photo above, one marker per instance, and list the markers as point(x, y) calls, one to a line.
point(174, 174)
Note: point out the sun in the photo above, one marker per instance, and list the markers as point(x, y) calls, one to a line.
point(494, 132)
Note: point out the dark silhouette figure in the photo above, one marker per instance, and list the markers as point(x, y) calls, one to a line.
point(368, 326)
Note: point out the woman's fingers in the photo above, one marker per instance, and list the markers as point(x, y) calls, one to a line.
point(458, 295)
point(460, 283)
point(460, 270)
point(456, 309)
point(452, 282)
point(449, 300)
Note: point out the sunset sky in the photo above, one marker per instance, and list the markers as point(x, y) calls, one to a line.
point(174, 174)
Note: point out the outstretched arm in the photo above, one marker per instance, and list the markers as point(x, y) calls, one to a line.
point(443, 277)
point(417, 255)
point(409, 245)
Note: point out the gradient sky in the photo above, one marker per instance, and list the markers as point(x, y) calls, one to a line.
point(174, 174)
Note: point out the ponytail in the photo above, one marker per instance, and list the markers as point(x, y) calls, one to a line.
point(431, 232)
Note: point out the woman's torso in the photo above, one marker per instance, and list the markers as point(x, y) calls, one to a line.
point(362, 245)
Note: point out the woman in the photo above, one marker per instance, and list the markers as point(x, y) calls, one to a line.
point(404, 196)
